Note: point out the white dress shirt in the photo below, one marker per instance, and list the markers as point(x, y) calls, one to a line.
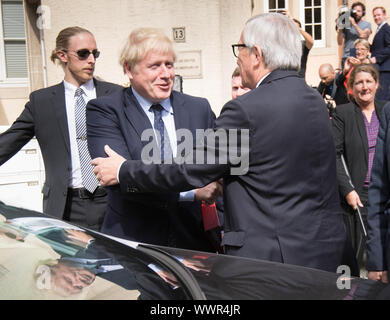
point(167, 117)
point(261, 80)
point(76, 180)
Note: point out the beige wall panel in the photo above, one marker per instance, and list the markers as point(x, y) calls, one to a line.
point(10, 109)
point(211, 26)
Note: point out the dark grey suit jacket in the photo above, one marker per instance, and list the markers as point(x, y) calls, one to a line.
point(155, 218)
point(378, 239)
point(44, 116)
point(286, 207)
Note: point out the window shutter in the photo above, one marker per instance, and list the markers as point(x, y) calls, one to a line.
point(14, 39)
point(16, 59)
point(13, 19)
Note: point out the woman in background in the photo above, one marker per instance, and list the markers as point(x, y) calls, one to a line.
point(355, 129)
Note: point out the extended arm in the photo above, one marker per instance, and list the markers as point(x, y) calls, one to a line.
point(21, 131)
point(138, 176)
point(339, 139)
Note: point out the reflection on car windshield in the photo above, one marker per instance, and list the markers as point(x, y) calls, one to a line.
point(44, 258)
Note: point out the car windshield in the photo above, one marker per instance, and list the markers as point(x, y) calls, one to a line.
point(45, 258)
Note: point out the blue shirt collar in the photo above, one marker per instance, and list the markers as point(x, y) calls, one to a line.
point(146, 104)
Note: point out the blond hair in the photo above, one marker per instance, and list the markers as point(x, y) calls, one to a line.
point(140, 42)
point(382, 8)
point(62, 40)
point(364, 42)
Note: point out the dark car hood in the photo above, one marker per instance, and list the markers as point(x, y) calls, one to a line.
point(34, 253)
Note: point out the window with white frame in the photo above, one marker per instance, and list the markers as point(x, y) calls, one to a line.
point(13, 54)
point(313, 20)
point(275, 5)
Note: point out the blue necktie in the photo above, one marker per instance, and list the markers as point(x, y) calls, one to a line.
point(165, 146)
point(90, 181)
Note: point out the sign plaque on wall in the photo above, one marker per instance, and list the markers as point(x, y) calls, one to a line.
point(179, 34)
point(189, 64)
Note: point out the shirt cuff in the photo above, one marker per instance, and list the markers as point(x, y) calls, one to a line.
point(119, 169)
point(187, 196)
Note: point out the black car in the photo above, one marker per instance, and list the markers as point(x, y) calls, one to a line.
point(46, 258)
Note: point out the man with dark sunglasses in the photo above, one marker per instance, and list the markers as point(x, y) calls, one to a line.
point(56, 116)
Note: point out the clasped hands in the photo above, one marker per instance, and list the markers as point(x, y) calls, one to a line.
point(106, 171)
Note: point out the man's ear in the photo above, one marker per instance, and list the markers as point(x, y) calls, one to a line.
point(62, 56)
point(128, 71)
point(257, 55)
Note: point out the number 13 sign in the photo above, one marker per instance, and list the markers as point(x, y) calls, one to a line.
point(179, 34)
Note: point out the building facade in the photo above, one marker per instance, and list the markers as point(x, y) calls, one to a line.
point(202, 30)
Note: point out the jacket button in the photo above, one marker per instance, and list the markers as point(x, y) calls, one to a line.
point(132, 189)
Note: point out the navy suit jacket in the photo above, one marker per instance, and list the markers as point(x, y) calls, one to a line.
point(378, 241)
point(155, 218)
point(380, 48)
point(286, 207)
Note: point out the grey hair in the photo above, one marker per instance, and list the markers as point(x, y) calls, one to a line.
point(278, 38)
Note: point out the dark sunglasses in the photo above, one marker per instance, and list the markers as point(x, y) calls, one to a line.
point(83, 54)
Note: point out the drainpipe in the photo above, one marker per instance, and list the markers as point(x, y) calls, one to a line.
point(40, 25)
point(42, 41)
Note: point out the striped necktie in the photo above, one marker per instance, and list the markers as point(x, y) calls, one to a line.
point(90, 182)
point(165, 145)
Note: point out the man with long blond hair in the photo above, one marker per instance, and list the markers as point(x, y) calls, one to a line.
point(69, 192)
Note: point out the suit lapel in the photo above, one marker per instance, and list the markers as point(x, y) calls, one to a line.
point(134, 113)
point(362, 130)
point(378, 109)
point(378, 38)
point(58, 101)
point(181, 116)
point(375, 41)
point(101, 88)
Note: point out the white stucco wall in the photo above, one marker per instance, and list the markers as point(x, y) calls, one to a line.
point(211, 26)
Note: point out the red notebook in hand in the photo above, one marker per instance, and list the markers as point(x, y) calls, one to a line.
point(212, 226)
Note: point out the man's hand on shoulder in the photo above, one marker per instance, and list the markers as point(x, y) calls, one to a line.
point(106, 169)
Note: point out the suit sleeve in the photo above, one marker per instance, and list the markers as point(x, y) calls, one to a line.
point(211, 117)
point(340, 79)
point(379, 196)
point(338, 130)
point(383, 54)
point(103, 129)
point(21, 131)
point(189, 175)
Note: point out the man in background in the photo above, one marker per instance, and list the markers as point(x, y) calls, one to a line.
point(380, 52)
point(237, 88)
point(354, 29)
point(56, 116)
point(330, 86)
